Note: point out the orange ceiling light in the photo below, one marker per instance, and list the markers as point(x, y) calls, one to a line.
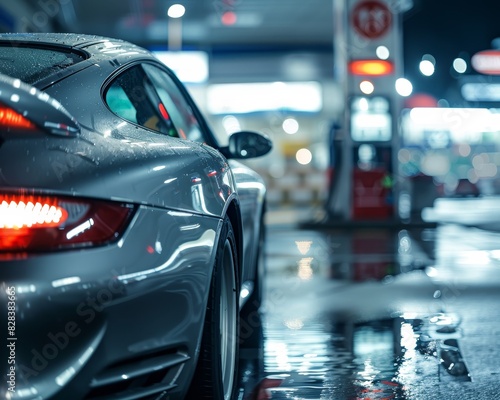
point(371, 67)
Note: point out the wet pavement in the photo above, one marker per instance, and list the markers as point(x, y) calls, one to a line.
point(377, 314)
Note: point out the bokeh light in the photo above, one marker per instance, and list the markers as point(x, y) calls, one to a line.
point(290, 126)
point(176, 11)
point(231, 124)
point(303, 156)
point(229, 18)
point(426, 68)
point(366, 87)
point(404, 87)
point(460, 65)
point(382, 52)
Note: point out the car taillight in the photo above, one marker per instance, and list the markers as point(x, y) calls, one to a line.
point(12, 119)
point(45, 223)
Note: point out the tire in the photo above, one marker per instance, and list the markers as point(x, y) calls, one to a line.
point(217, 369)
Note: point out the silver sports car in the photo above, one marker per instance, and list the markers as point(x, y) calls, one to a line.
point(129, 236)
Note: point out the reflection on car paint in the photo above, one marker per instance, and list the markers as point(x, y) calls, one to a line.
point(205, 241)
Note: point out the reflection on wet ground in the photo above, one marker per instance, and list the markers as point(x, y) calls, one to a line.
point(377, 314)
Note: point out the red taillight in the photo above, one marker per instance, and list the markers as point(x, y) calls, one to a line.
point(43, 223)
point(12, 119)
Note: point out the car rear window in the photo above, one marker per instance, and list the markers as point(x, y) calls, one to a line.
point(32, 64)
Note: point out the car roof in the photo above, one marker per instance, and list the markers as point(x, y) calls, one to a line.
point(96, 49)
point(72, 40)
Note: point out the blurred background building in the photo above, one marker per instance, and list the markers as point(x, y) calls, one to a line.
point(426, 128)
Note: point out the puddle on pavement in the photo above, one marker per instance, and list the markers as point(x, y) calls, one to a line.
point(355, 256)
point(382, 359)
point(327, 353)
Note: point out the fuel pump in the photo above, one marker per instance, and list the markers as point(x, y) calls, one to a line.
point(372, 158)
point(368, 59)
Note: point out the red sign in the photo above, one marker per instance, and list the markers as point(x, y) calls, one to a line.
point(371, 19)
point(371, 198)
point(487, 62)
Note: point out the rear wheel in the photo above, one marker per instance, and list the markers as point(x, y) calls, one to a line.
point(216, 373)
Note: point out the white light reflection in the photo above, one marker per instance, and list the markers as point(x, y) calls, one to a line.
point(495, 254)
point(280, 352)
point(366, 87)
point(369, 373)
point(25, 289)
point(231, 124)
point(303, 156)
point(189, 66)
point(198, 198)
point(159, 168)
point(410, 315)
point(68, 373)
point(242, 98)
point(305, 271)
point(176, 11)
point(460, 65)
point(294, 324)
point(303, 246)
point(244, 293)
point(404, 87)
point(475, 257)
point(431, 272)
point(290, 126)
point(445, 319)
point(404, 244)
point(66, 281)
point(189, 227)
point(406, 371)
point(363, 104)
point(80, 229)
point(408, 340)
point(179, 214)
point(205, 240)
point(170, 180)
point(22, 393)
point(382, 52)
point(426, 68)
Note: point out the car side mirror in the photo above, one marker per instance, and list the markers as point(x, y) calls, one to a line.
point(247, 144)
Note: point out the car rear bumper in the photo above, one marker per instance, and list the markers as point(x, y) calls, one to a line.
point(123, 319)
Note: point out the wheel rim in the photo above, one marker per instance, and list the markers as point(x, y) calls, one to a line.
point(228, 315)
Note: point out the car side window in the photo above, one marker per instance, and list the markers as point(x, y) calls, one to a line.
point(175, 103)
point(120, 104)
point(133, 97)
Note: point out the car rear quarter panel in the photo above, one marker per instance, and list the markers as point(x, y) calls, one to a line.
point(137, 297)
point(116, 159)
